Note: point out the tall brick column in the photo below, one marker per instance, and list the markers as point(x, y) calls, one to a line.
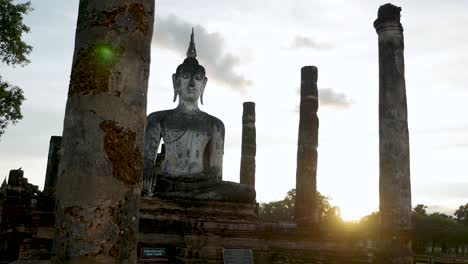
point(306, 172)
point(395, 189)
point(53, 161)
point(98, 188)
point(249, 145)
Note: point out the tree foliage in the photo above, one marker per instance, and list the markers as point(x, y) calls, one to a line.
point(369, 226)
point(420, 209)
point(283, 210)
point(13, 51)
point(279, 210)
point(11, 98)
point(438, 230)
point(434, 231)
point(462, 214)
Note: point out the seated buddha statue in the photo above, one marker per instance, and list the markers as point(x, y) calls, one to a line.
point(193, 144)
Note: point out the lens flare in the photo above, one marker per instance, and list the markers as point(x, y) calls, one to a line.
point(105, 54)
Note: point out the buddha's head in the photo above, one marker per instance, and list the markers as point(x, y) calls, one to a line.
point(189, 80)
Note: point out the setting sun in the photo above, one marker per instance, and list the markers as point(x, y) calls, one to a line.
point(354, 213)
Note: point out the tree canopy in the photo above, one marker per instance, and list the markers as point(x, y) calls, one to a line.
point(462, 214)
point(437, 232)
point(434, 231)
point(13, 52)
point(420, 209)
point(11, 98)
point(283, 210)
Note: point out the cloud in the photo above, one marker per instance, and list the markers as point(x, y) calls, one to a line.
point(173, 33)
point(448, 210)
point(329, 97)
point(443, 191)
point(457, 128)
point(453, 145)
point(301, 42)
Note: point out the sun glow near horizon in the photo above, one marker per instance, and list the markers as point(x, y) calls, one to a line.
point(355, 213)
point(356, 204)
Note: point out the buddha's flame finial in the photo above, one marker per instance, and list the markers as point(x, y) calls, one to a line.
point(191, 52)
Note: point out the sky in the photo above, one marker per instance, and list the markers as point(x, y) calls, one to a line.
point(253, 50)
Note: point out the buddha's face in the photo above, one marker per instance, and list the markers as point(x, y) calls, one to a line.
point(190, 85)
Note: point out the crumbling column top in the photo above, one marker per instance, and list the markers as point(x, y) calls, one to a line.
point(55, 138)
point(388, 18)
point(309, 73)
point(249, 105)
point(248, 115)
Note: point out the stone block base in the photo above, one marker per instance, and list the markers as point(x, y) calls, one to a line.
point(197, 232)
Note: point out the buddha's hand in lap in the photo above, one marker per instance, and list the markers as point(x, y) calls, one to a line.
point(148, 169)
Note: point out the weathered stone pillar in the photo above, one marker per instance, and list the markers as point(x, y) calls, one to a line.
point(395, 190)
point(98, 187)
point(15, 178)
point(306, 172)
point(52, 163)
point(249, 145)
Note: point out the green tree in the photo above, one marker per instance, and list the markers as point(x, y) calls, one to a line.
point(11, 98)
point(13, 52)
point(462, 214)
point(420, 209)
point(369, 226)
point(435, 230)
point(283, 210)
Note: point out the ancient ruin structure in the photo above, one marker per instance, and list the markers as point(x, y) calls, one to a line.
point(187, 213)
point(306, 171)
point(26, 220)
point(52, 163)
point(193, 219)
point(249, 145)
point(194, 143)
point(16, 200)
point(395, 189)
point(98, 187)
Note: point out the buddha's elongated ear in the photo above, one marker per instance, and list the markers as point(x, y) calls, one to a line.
point(205, 80)
point(175, 85)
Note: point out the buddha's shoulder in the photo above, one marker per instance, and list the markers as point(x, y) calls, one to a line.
point(159, 115)
point(214, 120)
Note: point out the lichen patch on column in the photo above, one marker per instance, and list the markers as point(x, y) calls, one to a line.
point(115, 249)
point(111, 15)
point(119, 145)
point(124, 18)
point(96, 235)
point(138, 13)
point(92, 70)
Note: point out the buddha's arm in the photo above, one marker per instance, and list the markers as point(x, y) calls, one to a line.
point(217, 149)
point(152, 139)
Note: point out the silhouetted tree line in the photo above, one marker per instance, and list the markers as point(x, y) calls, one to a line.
point(436, 232)
point(283, 210)
point(440, 231)
point(432, 233)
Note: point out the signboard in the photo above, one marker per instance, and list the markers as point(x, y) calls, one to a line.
point(237, 256)
point(153, 252)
